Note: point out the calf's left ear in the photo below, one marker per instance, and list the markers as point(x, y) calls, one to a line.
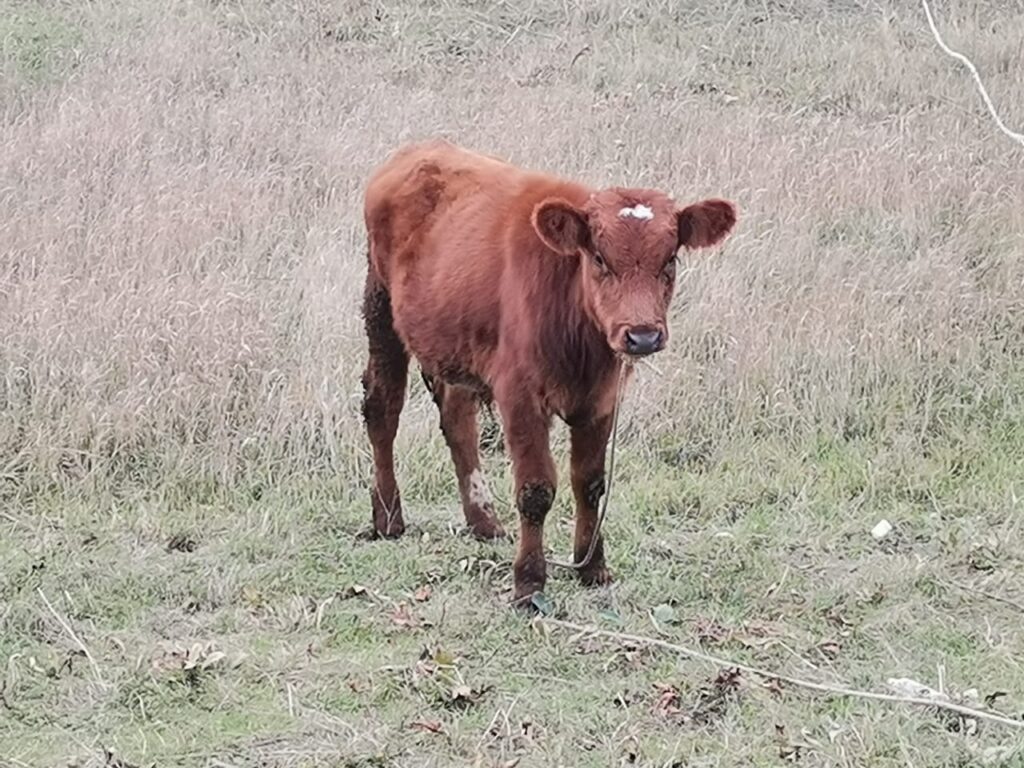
point(705, 223)
point(560, 225)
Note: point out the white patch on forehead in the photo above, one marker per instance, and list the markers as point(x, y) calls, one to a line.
point(638, 211)
point(478, 493)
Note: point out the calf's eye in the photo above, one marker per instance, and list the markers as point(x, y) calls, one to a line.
point(599, 260)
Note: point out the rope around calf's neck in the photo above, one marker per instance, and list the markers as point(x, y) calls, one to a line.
point(595, 535)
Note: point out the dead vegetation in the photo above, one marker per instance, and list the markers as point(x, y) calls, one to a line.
point(183, 471)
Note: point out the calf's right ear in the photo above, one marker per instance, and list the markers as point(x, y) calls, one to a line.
point(561, 226)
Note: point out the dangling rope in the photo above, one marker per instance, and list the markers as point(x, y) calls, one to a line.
point(595, 535)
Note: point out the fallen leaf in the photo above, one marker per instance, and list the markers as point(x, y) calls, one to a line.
point(971, 698)
point(356, 590)
point(990, 700)
point(755, 634)
point(422, 594)
point(712, 701)
point(211, 659)
point(982, 560)
point(542, 604)
point(710, 632)
point(788, 751)
point(443, 658)
point(587, 645)
point(667, 703)
point(464, 696)
point(876, 597)
point(427, 726)
point(401, 616)
point(181, 542)
point(610, 616)
point(830, 649)
point(201, 656)
point(252, 596)
point(905, 686)
point(774, 686)
point(834, 615)
point(664, 614)
point(729, 679)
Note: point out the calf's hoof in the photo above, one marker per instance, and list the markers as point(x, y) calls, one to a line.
point(388, 525)
point(486, 528)
point(390, 530)
point(529, 575)
point(596, 575)
point(522, 597)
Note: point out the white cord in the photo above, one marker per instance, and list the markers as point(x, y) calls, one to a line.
point(1018, 137)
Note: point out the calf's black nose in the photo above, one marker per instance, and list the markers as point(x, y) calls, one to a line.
point(644, 341)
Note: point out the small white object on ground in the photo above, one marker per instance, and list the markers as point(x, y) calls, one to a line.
point(904, 686)
point(882, 529)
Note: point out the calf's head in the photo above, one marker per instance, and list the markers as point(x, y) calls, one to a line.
point(627, 241)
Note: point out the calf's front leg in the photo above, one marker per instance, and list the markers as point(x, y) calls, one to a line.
point(526, 436)
point(589, 442)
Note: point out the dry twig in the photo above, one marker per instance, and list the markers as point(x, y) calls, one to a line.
point(989, 595)
point(71, 633)
point(821, 687)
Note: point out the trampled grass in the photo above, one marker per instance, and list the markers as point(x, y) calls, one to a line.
point(183, 471)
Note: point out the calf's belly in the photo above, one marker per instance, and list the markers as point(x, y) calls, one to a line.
point(446, 346)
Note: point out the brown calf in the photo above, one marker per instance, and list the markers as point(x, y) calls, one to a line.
point(524, 289)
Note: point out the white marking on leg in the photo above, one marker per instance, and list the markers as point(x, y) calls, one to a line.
point(638, 211)
point(478, 492)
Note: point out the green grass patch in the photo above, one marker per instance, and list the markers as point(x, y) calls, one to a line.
point(37, 40)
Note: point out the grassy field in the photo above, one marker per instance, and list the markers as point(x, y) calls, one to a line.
point(184, 576)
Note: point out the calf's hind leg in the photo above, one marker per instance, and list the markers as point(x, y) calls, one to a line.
point(458, 409)
point(383, 395)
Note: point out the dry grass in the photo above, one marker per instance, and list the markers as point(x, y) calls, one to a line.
point(181, 257)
